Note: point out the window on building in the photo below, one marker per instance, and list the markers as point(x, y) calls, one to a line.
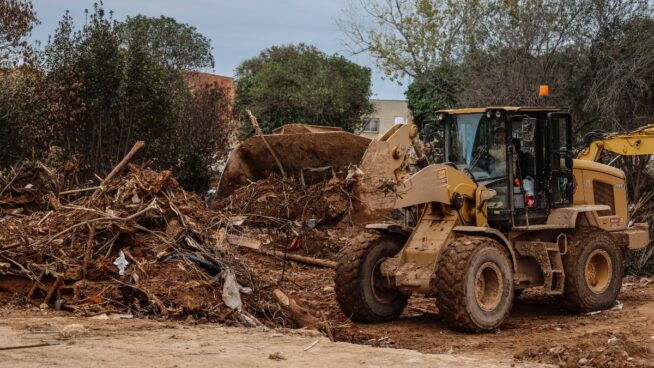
point(371, 126)
point(400, 120)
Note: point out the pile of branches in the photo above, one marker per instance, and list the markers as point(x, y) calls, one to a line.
point(27, 186)
point(309, 219)
point(139, 244)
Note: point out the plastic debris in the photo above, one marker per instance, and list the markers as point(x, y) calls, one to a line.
point(617, 306)
point(231, 292)
point(121, 263)
point(245, 290)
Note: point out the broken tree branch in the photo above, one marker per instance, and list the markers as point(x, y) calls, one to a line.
point(255, 124)
point(137, 146)
point(255, 246)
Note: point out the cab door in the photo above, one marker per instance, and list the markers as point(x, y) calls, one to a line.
point(558, 160)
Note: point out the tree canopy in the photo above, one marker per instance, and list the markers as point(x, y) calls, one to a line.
point(178, 45)
point(96, 90)
point(300, 84)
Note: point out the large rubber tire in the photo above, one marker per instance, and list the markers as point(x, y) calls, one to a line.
point(593, 271)
point(464, 303)
point(356, 265)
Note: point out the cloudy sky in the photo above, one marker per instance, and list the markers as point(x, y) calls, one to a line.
point(239, 29)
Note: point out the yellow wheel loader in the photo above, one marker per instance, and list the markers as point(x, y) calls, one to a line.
point(509, 209)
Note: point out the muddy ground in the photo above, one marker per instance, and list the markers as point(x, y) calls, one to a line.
point(538, 330)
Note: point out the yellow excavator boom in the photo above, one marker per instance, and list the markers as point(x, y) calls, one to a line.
point(634, 143)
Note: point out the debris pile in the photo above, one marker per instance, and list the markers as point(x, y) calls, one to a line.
point(139, 244)
point(312, 220)
point(27, 186)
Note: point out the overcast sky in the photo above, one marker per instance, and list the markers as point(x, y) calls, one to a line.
point(238, 29)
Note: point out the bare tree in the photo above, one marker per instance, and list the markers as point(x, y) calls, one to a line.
point(407, 38)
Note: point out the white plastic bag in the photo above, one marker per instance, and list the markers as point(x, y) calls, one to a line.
point(121, 263)
point(231, 292)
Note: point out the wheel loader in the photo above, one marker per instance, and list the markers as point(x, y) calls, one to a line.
point(509, 209)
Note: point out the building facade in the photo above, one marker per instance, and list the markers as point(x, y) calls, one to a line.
point(386, 113)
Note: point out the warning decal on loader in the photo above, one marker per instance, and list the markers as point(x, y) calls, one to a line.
point(442, 175)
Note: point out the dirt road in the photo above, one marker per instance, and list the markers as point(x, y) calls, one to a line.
point(84, 342)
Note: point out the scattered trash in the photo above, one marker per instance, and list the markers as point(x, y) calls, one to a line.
point(231, 292)
point(593, 313)
point(245, 290)
point(277, 334)
point(121, 263)
point(617, 306)
point(612, 339)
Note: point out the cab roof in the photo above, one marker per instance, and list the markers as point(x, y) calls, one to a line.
point(473, 110)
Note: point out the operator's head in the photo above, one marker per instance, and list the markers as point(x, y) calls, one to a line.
point(499, 135)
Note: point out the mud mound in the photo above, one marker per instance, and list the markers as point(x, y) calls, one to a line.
point(139, 245)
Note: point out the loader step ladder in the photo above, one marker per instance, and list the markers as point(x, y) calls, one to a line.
point(548, 256)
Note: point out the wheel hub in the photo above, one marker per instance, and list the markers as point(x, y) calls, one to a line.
point(489, 286)
point(598, 271)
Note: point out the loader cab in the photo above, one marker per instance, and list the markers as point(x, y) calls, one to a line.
point(524, 154)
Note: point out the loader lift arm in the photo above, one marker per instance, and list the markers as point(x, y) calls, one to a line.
point(634, 143)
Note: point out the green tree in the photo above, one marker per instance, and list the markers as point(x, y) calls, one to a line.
point(432, 91)
point(178, 45)
point(17, 17)
point(105, 86)
point(300, 84)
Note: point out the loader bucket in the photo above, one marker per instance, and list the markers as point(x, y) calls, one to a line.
point(298, 147)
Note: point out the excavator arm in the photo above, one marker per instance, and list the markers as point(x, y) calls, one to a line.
point(634, 143)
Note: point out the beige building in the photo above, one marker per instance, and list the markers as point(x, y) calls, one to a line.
point(386, 114)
